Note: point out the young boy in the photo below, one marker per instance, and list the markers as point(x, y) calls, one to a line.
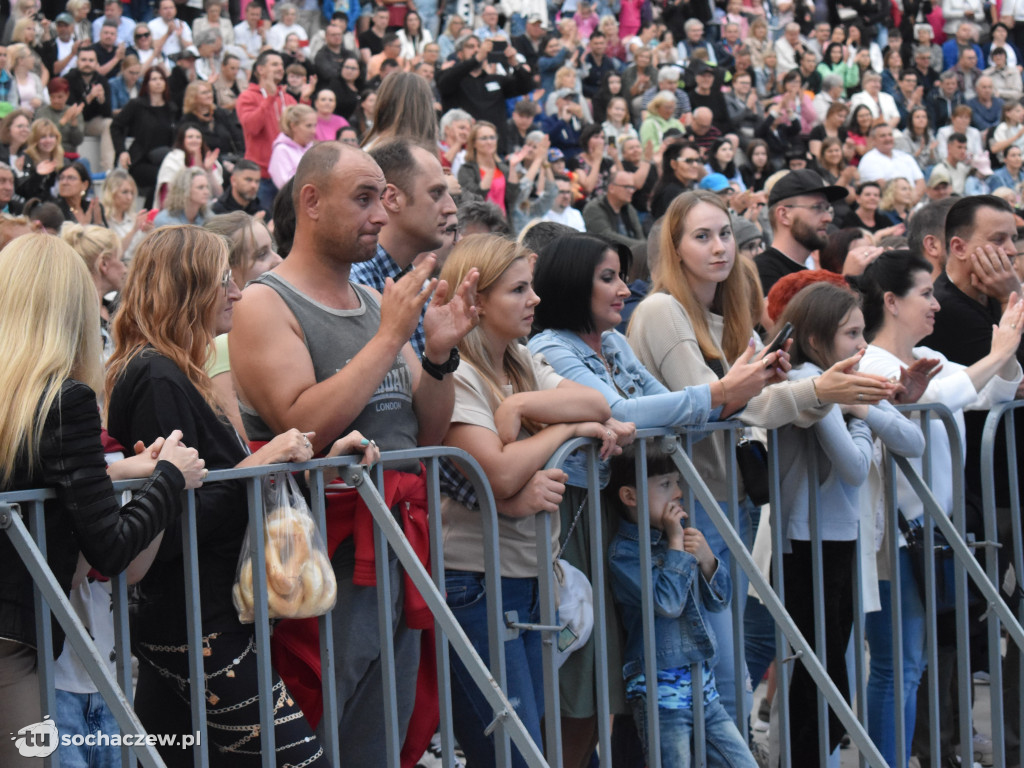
point(687, 579)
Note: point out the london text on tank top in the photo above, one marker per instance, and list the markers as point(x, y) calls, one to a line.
point(333, 337)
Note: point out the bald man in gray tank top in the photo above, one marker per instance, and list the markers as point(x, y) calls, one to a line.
point(311, 348)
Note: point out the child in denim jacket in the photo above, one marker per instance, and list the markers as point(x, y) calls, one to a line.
point(687, 579)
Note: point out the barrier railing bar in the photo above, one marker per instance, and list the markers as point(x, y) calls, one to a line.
point(1002, 414)
point(817, 588)
point(44, 627)
point(696, 671)
point(774, 605)
point(490, 686)
point(892, 536)
point(385, 624)
point(122, 647)
point(598, 576)
point(328, 684)
point(739, 660)
point(860, 688)
point(931, 639)
point(52, 595)
point(647, 614)
point(261, 625)
point(194, 624)
point(548, 617)
point(781, 646)
point(440, 639)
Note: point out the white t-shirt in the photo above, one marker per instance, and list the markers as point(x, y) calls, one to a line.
point(570, 217)
point(874, 166)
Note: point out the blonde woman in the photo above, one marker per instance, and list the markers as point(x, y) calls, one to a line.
point(510, 415)
point(298, 132)
point(28, 89)
point(188, 201)
point(50, 435)
point(118, 198)
point(897, 200)
point(100, 249)
point(484, 175)
point(44, 156)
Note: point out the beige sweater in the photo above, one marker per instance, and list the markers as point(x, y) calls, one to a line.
point(664, 340)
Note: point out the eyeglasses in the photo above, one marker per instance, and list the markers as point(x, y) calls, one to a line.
point(691, 160)
point(225, 281)
point(818, 208)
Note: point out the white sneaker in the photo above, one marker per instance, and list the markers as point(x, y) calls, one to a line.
point(762, 723)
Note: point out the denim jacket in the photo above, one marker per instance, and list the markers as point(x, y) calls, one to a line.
point(630, 389)
point(682, 634)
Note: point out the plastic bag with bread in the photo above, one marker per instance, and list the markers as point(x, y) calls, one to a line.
point(300, 580)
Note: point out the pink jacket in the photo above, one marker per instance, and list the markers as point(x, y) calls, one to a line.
point(284, 159)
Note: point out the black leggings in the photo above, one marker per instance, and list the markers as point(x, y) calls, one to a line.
point(837, 566)
point(232, 705)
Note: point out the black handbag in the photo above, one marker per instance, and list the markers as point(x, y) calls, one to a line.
point(945, 565)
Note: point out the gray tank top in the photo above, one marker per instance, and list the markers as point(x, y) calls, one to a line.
point(333, 337)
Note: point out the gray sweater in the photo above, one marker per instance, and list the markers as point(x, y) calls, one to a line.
point(844, 450)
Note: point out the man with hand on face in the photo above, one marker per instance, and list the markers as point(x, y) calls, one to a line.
point(800, 210)
point(311, 347)
point(978, 283)
point(418, 205)
point(475, 86)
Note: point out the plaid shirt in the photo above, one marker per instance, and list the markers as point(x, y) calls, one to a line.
point(373, 273)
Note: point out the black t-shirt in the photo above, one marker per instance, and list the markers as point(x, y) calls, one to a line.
point(152, 399)
point(773, 265)
point(369, 39)
point(818, 133)
point(963, 333)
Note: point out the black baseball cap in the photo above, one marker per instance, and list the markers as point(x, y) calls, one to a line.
point(805, 182)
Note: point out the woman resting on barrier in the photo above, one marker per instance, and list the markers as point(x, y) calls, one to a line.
point(698, 318)
point(179, 294)
point(50, 437)
point(579, 279)
point(899, 311)
point(510, 415)
point(828, 327)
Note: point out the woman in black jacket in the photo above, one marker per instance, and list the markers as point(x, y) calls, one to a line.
point(150, 120)
point(157, 376)
point(50, 437)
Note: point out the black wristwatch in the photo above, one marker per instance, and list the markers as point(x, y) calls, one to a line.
point(439, 371)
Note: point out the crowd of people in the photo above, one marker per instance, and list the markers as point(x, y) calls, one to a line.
point(304, 231)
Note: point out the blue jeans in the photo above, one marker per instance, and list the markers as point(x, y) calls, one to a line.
point(471, 713)
point(881, 677)
point(85, 713)
point(724, 745)
point(721, 623)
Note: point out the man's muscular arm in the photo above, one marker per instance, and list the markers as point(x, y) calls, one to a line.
point(274, 373)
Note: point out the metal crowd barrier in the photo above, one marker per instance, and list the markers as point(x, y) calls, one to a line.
point(492, 681)
point(1004, 416)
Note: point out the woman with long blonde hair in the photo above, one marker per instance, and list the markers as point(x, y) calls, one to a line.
point(179, 295)
point(118, 199)
point(510, 414)
point(50, 436)
point(44, 157)
point(691, 329)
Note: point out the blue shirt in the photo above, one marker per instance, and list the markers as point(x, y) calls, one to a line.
point(681, 597)
point(630, 389)
point(373, 273)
